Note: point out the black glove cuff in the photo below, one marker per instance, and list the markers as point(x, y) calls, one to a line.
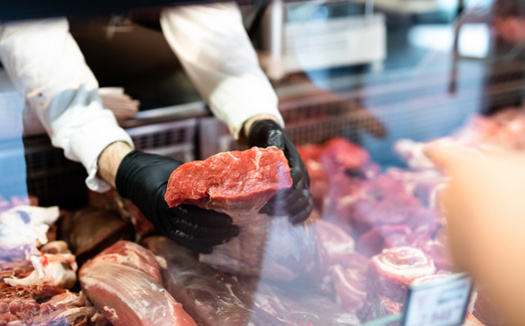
point(266, 132)
point(139, 171)
point(121, 180)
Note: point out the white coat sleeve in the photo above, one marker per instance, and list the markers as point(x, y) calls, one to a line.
point(212, 45)
point(47, 67)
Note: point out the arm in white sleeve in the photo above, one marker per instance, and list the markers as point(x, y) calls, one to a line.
point(47, 67)
point(212, 45)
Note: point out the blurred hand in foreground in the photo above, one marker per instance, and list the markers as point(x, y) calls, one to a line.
point(485, 210)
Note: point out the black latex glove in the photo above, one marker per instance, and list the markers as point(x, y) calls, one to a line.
point(143, 178)
point(295, 202)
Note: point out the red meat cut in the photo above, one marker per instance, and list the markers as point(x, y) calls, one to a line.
point(391, 272)
point(236, 182)
point(124, 283)
point(239, 184)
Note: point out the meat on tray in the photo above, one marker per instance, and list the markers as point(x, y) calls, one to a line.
point(217, 299)
point(124, 283)
point(239, 184)
point(211, 297)
point(391, 272)
point(90, 230)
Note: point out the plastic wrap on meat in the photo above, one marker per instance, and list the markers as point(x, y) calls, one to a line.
point(211, 297)
point(349, 287)
point(24, 229)
point(58, 269)
point(380, 237)
point(124, 283)
point(391, 272)
point(46, 305)
point(239, 184)
point(88, 231)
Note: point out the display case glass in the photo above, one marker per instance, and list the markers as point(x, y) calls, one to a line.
point(362, 86)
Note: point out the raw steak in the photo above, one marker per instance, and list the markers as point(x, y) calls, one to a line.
point(239, 184)
point(46, 305)
point(124, 283)
point(90, 230)
point(391, 272)
point(235, 182)
point(211, 297)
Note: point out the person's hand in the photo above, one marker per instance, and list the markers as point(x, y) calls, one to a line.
point(143, 177)
point(295, 202)
point(122, 105)
point(484, 205)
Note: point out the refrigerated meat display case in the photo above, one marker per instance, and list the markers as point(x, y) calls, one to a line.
point(376, 240)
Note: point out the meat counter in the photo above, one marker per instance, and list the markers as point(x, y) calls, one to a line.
point(376, 229)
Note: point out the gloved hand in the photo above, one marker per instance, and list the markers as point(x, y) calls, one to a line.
point(295, 202)
point(143, 177)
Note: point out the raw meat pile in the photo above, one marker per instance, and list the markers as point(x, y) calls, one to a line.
point(124, 283)
point(35, 275)
point(372, 234)
point(380, 231)
point(239, 184)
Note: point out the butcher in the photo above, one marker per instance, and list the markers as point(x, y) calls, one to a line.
point(47, 67)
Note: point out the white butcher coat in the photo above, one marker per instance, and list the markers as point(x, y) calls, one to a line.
point(47, 67)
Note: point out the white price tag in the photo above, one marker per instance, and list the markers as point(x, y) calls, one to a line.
point(442, 302)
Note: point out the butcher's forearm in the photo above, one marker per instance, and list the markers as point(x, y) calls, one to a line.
point(109, 161)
